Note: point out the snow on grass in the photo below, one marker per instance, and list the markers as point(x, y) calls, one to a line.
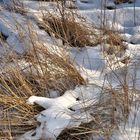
point(94, 65)
point(63, 112)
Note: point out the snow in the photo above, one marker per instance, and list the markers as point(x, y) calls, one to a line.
point(89, 58)
point(63, 112)
point(98, 68)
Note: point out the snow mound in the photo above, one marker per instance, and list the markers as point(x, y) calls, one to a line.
point(63, 112)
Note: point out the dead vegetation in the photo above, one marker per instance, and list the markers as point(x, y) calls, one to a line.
point(107, 114)
point(67, 29)
point(123, 1)
point(71, 32)
point(17, 116)
point(33, 73)
point(40, 70)
point(115, 42)
point(57, 71)
point(15, 111)
point(16, 6)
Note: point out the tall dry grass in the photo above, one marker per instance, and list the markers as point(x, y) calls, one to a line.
point(68, 26)
point(41, 69)
point(35, 72)
point(112, 110)
point(16, 6)
point(121, 1)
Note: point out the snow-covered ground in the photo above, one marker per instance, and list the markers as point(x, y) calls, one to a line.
point(97, 68)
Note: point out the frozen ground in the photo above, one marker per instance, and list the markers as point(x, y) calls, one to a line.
point(91, 62)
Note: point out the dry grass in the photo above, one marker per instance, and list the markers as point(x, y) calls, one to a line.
point(15, 112)
point(40, 70)
point(16, 6)
point(33, 73)
point(68, 30)
point(121, 1)
point(57, 72)
point(107, 115)
point(115, 42)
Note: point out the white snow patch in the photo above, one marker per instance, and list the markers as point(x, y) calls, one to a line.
point(63, 112)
